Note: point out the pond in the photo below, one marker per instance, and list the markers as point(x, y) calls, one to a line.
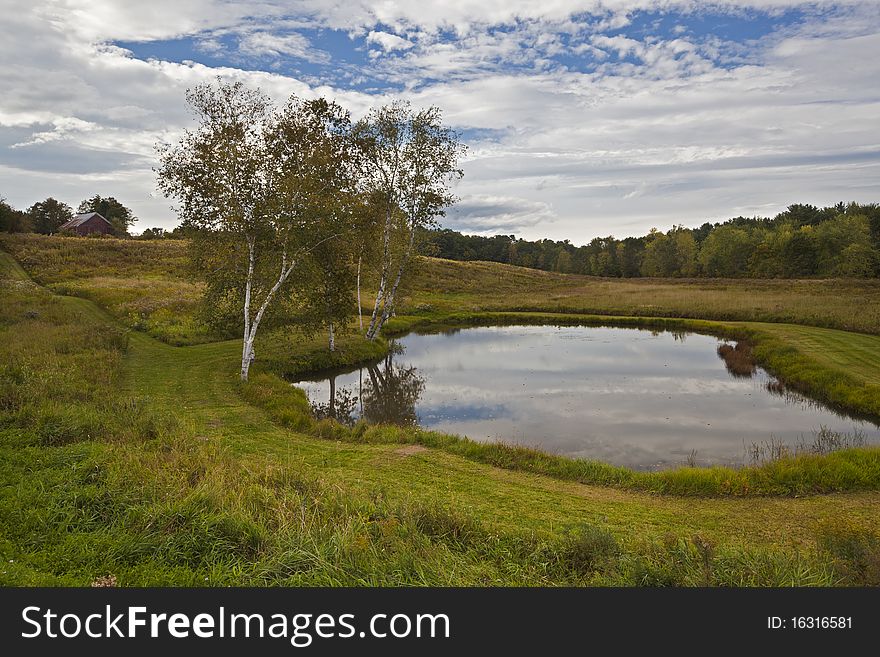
point(643, 399)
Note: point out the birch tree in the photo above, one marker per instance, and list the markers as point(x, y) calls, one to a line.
point(410, 161)
point(327, 293)
point(251, 184)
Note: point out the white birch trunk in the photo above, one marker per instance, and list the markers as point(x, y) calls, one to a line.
point(360, 308)
point(247, 345)
point(388, 306)
point(332, 338)
point(383, 279)
point(251, 327)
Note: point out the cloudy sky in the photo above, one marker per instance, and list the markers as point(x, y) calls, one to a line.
point(583, 117)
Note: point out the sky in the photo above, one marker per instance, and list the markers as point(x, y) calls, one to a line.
point(583, 118)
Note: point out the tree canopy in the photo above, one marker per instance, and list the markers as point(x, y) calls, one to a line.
point(12, 220)
point(260, 189)
point(48, 216)
point(409, 159)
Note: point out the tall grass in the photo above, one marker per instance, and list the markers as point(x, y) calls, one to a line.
point(824, 441)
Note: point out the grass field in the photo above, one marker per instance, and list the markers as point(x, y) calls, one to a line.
point(144, 284)
point(448, 286)
point(124, 456)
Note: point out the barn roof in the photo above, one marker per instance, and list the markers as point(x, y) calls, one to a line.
point(80, 219)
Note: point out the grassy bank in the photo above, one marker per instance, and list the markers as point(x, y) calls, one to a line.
point(125, 457)
point(143, 284)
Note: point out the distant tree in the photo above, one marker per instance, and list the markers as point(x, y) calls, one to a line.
point(685, 251)
point(766, 259)
point(119, 216)
point(600, 257)
point(834, 238)
point(703, 231)
point(181, 232)
point(873, 214)
point(858, 260)
point(410, 159)
point(12, 220)
point(799, 254)
point(152, 234)
point(512, 252)
point(49, 215)
point(563, 262)
point(630, 252)
point(799, 215)
point(672, 254)
point(727, 250)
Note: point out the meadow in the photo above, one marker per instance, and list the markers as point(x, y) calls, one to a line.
point(127, 459)
point(145, 285)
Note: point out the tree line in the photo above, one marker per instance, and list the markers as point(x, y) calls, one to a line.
point(803, 241)
point(48, 216)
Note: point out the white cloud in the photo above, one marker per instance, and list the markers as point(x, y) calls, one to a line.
point(266, 44)
point(682, 129)
point(489, 215)
point(388, 42)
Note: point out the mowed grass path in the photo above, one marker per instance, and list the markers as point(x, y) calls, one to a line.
point(201, 380)
point(855, 354)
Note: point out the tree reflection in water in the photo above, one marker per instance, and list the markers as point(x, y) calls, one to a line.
point(391, 393)
point(388, 395)
point(340, 406)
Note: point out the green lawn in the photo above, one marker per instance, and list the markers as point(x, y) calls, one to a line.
point(853, 354)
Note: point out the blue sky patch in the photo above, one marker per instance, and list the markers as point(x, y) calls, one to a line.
point(336, 58)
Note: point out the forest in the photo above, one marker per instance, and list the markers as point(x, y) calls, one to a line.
point(804, 241)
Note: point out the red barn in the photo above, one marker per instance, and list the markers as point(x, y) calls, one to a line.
point(88, 223)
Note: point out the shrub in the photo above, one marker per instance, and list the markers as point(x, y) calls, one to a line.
point(589, 549)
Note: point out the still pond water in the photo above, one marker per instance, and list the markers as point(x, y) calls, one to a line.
point(643, 399)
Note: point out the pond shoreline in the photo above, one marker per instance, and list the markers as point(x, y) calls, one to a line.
point(647, 399)
point(848, 470)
